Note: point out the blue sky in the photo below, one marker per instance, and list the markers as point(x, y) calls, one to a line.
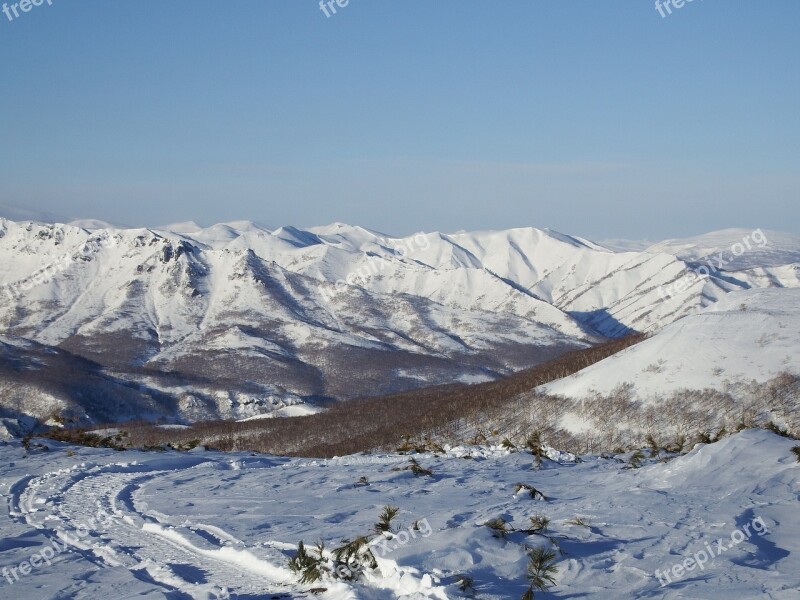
point(595, 118)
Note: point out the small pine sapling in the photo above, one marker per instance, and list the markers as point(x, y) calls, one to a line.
point(539, 524)
point(678, 444)
point(309, 567)
point(466, 584)
point(500, 527)
point(417, 469)
point(478, 439)
point(434, 446)
point(579, 521)
point(534, 444)
point(353, 557)
point(541, 571)
point(653, 445)
point(384, 524)
point(635, 461)
point(532, 491)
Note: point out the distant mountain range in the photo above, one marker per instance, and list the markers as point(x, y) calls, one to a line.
point(235, 321)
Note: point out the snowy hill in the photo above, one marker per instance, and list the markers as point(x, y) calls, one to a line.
point(735, 249)
point(236, 320)
point(749, 335)
point(716, 523)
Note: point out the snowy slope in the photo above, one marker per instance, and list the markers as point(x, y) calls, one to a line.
point(748, 335)
point(735, 249)
point(292, 310)
point(205, 525)
point(526, 272)
point(219, 311)
point(515, 270)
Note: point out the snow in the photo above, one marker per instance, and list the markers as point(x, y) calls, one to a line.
point(213, 526)
point(278, 303)
point(182, 227)
point(736, 249)
point(747, 335)
point(555, 281)
point(91, 224)
point(273, 298)
point(295, 410)
point(623, 245)
point(209, 525)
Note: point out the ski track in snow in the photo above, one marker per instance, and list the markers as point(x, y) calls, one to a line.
point(124, 533)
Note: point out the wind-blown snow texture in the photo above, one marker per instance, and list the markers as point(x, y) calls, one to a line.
point(234, 320)
point(207, 525)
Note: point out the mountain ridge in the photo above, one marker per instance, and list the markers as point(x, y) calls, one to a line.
point(340, 311)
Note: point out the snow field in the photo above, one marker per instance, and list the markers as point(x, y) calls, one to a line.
point(209, 525)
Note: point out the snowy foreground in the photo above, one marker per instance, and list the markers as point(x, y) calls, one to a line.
point(104, 524)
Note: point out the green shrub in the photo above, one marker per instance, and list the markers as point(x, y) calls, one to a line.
point(81, 437)
point(466, 584)
point(541, 571)
point(308, 567)
point(499, 526)
point(783, 432)
point(635, 461)
point(508, 444)
point(384, 524)
point(532, 491)
point(534, 444)
point(579, 521)
point(539, 524)
point(352, 558)
point(417, 469)
point(655, 450)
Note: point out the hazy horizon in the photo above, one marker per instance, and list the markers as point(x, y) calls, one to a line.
point(619, 243)
point(604, 120)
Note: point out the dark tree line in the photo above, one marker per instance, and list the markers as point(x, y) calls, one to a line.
point(443, 413)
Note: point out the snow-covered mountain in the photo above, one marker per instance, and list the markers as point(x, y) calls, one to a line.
point(730, 365)
point(745, 336)
point(236, 320)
